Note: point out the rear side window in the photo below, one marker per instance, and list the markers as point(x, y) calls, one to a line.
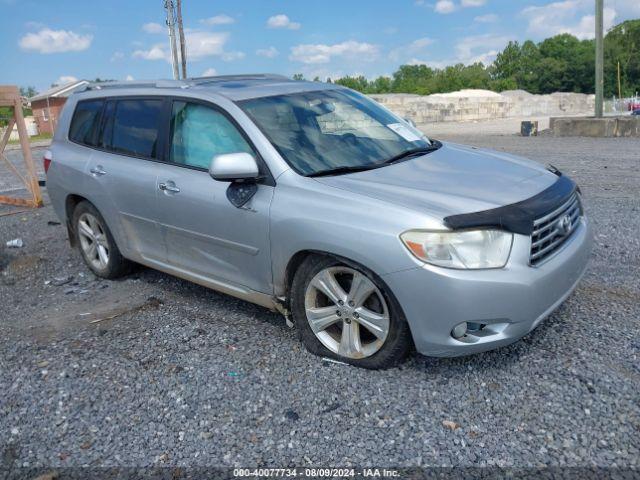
point(85, 121)
point(104, 138)
point(135, 127)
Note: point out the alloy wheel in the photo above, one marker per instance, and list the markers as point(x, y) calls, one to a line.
point(93, 241)
point(347, 312)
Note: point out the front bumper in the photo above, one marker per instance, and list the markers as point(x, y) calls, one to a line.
point(510, 301)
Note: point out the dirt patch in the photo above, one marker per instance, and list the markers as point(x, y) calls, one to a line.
point(23, 264)
point(615, 291)
point(99, 312)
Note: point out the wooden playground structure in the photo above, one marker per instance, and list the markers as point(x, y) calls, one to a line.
point(10, 97)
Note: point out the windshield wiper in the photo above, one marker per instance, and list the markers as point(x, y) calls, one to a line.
point(412, 152)
point(361, 168)
point(341, 170)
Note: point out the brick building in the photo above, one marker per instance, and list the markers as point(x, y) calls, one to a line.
point(47, 105)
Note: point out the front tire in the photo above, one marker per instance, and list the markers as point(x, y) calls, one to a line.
point(345, 312)
point(97, 246)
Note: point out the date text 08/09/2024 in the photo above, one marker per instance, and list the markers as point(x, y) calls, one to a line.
point(316, 472)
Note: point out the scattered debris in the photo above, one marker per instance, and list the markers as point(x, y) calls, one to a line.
point(234, 374)
point(12, 212)
point(162, 458)
point(15, 243)
point(51, 475)
point(43, 364)
point(326, 360)
point(175, 369)
point(60, 281)
point(334, 406)
point(292, 415)
point(86, 445)
point(453, 426)
point(151, 302)
point(53, 223)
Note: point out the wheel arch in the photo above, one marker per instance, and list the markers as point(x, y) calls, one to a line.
point(70, 203)
point(293, 303)
point(299, 257)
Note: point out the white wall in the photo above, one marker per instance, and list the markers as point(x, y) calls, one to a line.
point(484, 105)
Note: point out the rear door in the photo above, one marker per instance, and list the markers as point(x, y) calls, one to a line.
point(205, 234)
point(123, 168)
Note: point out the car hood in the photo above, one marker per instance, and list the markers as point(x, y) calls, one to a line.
point(451, 180)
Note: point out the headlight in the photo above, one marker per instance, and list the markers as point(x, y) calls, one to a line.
point(471, 249)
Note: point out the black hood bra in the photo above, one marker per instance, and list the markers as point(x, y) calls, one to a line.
point(517, 217)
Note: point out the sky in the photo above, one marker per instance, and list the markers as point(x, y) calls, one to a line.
point(44, 41)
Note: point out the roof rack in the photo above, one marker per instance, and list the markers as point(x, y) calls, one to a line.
point(228, 78)
point(140, 84)
point(190, 82)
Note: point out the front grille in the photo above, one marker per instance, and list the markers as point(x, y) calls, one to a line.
point(552, 230)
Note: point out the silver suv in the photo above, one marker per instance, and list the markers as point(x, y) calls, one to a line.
point(315, 201)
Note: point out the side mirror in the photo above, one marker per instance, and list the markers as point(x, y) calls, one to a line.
point(231, 167)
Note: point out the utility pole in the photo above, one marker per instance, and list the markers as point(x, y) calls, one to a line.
point(619, 83)
point(183, 47)
point(171, 24)
point(599, 57)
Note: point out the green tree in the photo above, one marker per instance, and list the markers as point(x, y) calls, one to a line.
point(412, 79)
point(28, 91)
point(622, 44)
point(381, 85)
point(508, 63)
point(527, 76)
point(356, 83)
point(559, 63)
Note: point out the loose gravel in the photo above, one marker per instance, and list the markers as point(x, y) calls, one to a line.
point(152, 370)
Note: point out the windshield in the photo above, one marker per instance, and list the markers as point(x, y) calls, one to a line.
point(330, 130)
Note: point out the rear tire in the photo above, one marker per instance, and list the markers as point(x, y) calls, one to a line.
point(355, 318)
point(97, 246)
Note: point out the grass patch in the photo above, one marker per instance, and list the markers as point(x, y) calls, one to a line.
point(35, 138)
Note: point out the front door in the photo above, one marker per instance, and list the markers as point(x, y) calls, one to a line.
point(205, 234)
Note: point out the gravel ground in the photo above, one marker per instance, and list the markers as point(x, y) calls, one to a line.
point(152, 370)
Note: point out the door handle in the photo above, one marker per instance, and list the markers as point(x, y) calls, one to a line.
point(98, 171)
point(168, 187)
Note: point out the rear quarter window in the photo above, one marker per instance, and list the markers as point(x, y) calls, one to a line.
point(85, 122)
point(135, 127)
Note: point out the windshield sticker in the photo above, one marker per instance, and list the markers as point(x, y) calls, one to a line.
point(405, 132)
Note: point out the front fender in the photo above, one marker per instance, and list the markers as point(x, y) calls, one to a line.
point(307, 215)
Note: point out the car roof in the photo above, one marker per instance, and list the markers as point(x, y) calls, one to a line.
point(233, 87)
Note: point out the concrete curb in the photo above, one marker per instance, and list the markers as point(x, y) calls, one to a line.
point(607, 127)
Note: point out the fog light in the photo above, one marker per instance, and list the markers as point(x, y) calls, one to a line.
point(459, 330)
